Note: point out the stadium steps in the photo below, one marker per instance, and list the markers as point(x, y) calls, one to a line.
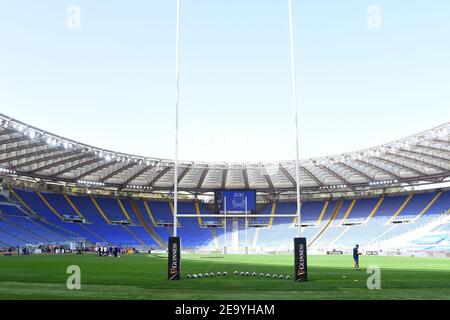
point(92, 232)
point(127, 229)
point(97, 206)
point(427, 207)
point(147, 228)
point(23, 233)
point(10, 203)
point(5, 199)
point(4, 195)
point(335, 212)
point(34, 234)
point(65, 232)
point(272, 213)
point(52, 209)
point(319, 219)
point(27, 209)
point(197, 211)
point(74, 207)
point(349, 210)
point(346, 229)
point(13, 235)
point(149, 212)
point(172, 209)
point(375, 209)
point(416, 233)
point(401, 207)
point(125, 212)
point(294, 221)
point(322, 213)
point(381, 234)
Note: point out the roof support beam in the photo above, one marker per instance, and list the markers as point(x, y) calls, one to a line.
point(94, 170)
point(391, 174)
point(421, 153)
point(423, 163)
point(312, 176)
point(158, 176)
point(59, 155)
point(267, 177)
point(6, 132)
point(183, 174)
point(245, 174)
point(134, 176)
point(224, 177)
point(440, 141)
point(58, 163)
point(335, 174)
point(27, 155)
point(74, 167)
point(288, 175)
point(15, 140)
point(23, 147)
point(116, 172)
point(359, 172)
point(400, 165)
point(202, 178)
point(432, 148)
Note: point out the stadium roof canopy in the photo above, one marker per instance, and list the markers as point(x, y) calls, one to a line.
point(27, 151)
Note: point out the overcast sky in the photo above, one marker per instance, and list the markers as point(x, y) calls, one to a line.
point(369, 72)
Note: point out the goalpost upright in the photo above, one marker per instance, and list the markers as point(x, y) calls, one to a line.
point(177, 103)
point(299, 242)
point(225, 225)
point(174, 245)
point(246, 227)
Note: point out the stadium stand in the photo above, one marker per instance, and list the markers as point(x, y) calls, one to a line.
point(56, 190)
point(32, 217)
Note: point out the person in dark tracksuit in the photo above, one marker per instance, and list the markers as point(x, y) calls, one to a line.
point(356, 257)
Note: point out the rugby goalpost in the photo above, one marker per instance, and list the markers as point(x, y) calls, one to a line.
point(174, 243)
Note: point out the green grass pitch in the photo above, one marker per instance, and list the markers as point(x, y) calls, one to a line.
point(144, 277)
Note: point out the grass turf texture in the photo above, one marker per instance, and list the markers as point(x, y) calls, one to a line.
point(144, 277)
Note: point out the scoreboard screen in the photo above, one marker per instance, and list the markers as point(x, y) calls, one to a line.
point(235, 200)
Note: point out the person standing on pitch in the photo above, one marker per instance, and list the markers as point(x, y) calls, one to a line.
point(356, 257)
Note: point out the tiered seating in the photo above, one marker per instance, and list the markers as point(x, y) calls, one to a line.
point(101, 211)
point(372, 227)
point(433, 238)
point(190, 231)
point(99, 227)
point(330, 224)
point(18, 229)
point(31, 226)
point(361, 208)
point(55, 223)
point(17, 235)
point(111, 208)
point(10, 210)
point(390, 206)
point(416, 204)
point(129, 210)
point(335, 228)
point(148, 211)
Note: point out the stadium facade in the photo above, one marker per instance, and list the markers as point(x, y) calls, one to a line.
point(390, 199)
